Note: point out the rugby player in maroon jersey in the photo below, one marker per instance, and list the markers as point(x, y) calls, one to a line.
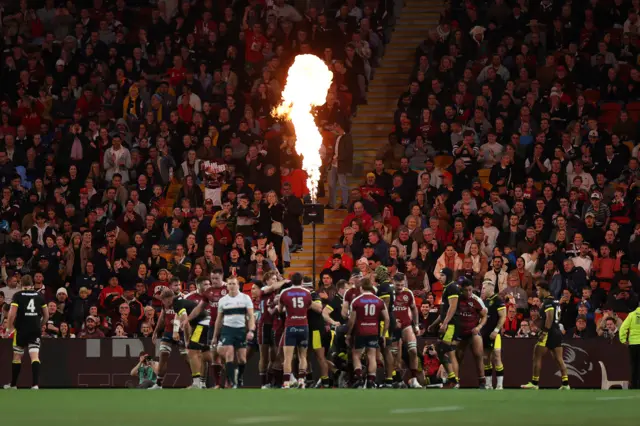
point(351, 294)
point(166, 322)
point(406, 316)
point(272, 284)
point(295, 302)
point(209, 297)
point(367, 310)
point(472, 315)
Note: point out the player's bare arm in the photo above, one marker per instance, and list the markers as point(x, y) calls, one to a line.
point(453, 306)
point(196, 311)
point(156, 331)
point(251, 323)
point(548, 322)
point(385, 318)
point(502, 317)
point(345, 309)
point(326, 312)
point(350, 324)
point(45, 316)
point(12, 319)
point(316, 306)
point(483, 321)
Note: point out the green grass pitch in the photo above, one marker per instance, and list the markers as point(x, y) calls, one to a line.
point(318, 407)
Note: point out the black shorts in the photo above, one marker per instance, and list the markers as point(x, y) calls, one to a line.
point(200, 338)
point(552, 340)
point(265, 334)
point(321, 339)
point(489, 344)
point(26, 339)
point(451, 334)
point(368, 342)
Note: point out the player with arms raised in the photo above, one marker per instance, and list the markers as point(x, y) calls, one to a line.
point(496, 316)
point(295, 302)
point(406, 317)
point(366, 313)
point(27, 314)
point(550, 338)
point(235, 325)
point(472, 316)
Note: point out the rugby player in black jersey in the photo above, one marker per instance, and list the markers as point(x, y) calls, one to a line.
point(27, 314)
point(550, 338)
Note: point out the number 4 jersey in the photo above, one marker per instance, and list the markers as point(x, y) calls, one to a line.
point(30, 305)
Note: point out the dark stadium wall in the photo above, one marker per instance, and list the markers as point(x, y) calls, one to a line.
point(107, 363)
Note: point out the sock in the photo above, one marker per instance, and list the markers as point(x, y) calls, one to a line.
point(35, 373)
point(482, 381)
point(414, 372)
point(357, 373)
point(535, 380)
point(488, 370)
point(371, 378)
point(324, 380)
point(15, 372)
point(196, 379)
point(499, 375)
point(452, 377)
point(240, 372)
point(278, 377)
point(217, 375)
point(203, 381)
point(389, 380)
point(396, 377)
point(159, 380)
point(270, 376)
point(286, 377)
point(565, 380)
point(231, 372)
point(302, 374)
point(263, 379)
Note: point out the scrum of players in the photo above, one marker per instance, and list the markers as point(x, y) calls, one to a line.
point(372, 320)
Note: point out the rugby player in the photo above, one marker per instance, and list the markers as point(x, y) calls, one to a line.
point(208, 297)
point(492, 341)
point(448, 326)
point(366, 315)
point(384, 291)
point(319, 334)
point(406, 317)
point(235, 325)
point(332, 314)
point(550, 338)
point(27, 315)
point(195, 330)
point(472, 315)
point(167, 342)
point(295, 302)
point(272, 285)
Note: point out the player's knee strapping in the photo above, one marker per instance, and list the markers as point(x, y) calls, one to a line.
point(443, 353)
point(165, 348)
point(18, 351)
point(412, 346)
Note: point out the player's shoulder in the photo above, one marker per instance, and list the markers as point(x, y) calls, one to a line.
point(194, 295)
point(478, 300)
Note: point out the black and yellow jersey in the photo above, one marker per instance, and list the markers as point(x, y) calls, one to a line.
point(451, 291)
point(386, 292)
point(335, 309)
point(30, 306)
point(549, 304)
point(316, 322)
point(494, 304)
point(186, 306)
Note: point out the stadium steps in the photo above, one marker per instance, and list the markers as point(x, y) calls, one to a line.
point(373, 123)
point(326, 236)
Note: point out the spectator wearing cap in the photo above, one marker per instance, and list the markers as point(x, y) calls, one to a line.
point(91, 330)
point(347, 260)
point(337, 271)
point(598, 209)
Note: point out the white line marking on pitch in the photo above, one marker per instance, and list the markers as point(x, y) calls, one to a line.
point(616, 398)
point(258, 420)
point(427, 410)
point(386, 421)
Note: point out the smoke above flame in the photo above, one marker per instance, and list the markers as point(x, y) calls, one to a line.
point(308, 81)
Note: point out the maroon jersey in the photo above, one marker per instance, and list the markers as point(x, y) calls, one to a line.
point(351, 294)
point(296, 301)
point(169, 316)
point(368, 310)
point(213, 295)
point(469, 314)
point(266, 302)
point(402, 307)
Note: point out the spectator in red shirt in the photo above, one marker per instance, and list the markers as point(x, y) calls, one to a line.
point(113, 289)
point(177, 73)
point(347, 261)
point(358, 213)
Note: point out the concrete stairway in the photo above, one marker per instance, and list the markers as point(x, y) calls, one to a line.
point(373, 123)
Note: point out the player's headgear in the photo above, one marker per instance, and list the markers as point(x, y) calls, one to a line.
point(448, 273)
point(382, 274)
point(307, 281)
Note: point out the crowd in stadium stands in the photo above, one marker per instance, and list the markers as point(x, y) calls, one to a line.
point(137, 145)
point(515, 158)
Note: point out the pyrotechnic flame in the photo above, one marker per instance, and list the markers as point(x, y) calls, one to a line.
point(308, 81)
